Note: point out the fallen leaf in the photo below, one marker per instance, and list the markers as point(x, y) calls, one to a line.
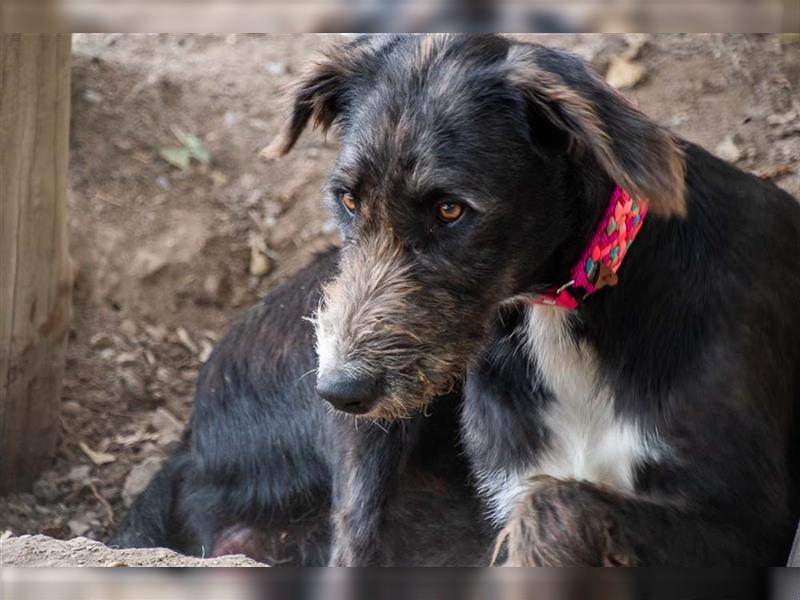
point(132, 385)
point(98, 458)
point(728, 150)
point(80, 473)
point(163, 420)
point(150, 357)
point(777, 119)
point(135, 438)
point(127, 359)
point(185, 340)
point(193, 145)
point(259, 264)
point(177, 157)
point(101, 341)
point(138, 478)
point(623, 73)
point(219, 178)
point(157, 333)
point(259, 261)
point(205, 351)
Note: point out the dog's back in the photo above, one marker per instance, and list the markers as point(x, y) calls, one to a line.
point(755, 226)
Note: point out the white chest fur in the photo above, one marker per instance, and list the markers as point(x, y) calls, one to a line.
point(586, 440)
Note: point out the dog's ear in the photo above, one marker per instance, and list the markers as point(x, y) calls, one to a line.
point(641, 156)
point(319, 93)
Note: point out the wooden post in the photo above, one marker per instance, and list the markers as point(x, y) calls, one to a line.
point(35, 271)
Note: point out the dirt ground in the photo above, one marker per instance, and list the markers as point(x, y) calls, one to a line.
point(43, 551)
point(165, 256)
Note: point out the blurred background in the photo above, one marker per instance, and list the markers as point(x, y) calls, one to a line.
point(391, 584)
point(402, 15)
point(175, 225)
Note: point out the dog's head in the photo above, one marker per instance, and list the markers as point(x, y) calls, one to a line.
point(468, 168)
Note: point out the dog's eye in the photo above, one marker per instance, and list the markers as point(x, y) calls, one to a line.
point(349, 201)
point(449, 212)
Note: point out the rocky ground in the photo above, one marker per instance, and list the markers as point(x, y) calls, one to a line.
point(176, 225)
point(43, 551)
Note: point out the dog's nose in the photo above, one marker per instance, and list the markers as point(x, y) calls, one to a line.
point(349, 393)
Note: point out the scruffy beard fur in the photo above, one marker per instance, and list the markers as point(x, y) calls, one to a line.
point(376, 320)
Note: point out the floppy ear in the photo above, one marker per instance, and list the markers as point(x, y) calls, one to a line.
point(638, 154)
point(319, 94)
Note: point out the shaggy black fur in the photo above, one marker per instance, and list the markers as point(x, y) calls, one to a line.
point(698, 345)
point(260, 456)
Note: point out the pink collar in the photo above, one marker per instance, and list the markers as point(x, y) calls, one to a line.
point(598, 265)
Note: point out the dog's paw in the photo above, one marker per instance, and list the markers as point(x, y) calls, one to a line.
point(563, 523)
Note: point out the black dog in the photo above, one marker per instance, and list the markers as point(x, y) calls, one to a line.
point(255, 470)
point(478, 183)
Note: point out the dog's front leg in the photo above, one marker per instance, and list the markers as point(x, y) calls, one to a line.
point(577, 523)
point(369, 458)
point(565, 523)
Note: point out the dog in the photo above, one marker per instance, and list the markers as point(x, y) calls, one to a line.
point(256, 468)
point(610, 309)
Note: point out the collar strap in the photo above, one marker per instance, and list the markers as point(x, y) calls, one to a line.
point(601, 259)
